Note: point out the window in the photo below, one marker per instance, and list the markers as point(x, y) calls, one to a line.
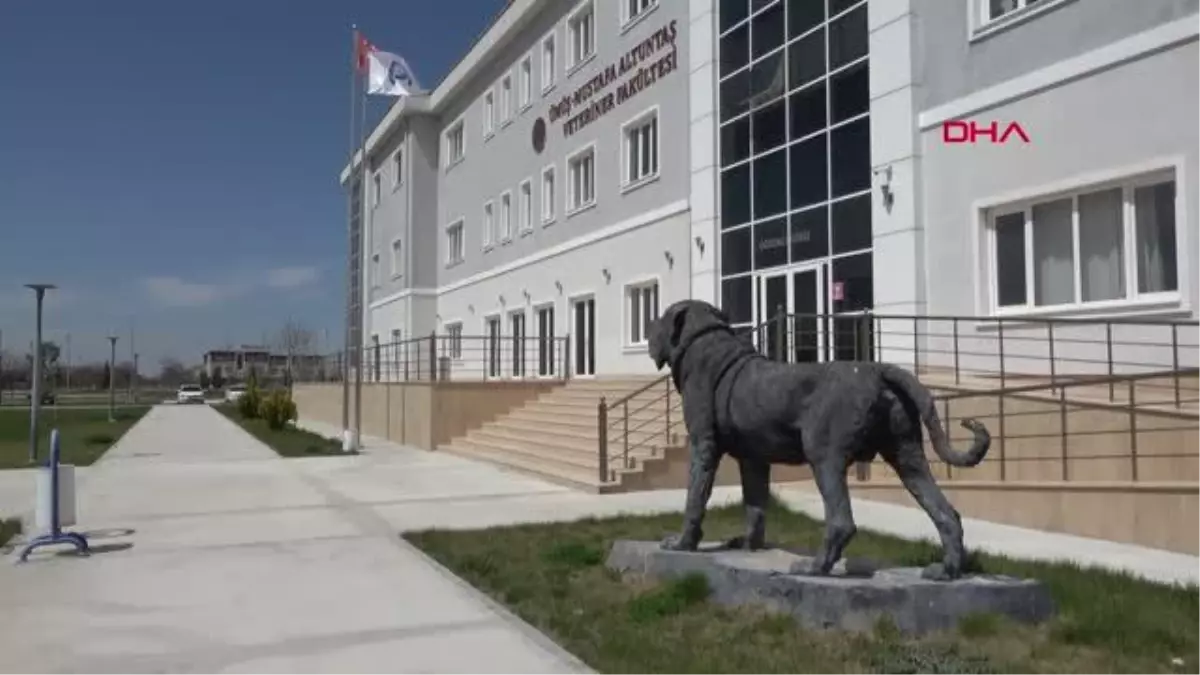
point(581, 28)
point(376, 189)
point(998, 9)
point(635, 9)
point(375, 274)
point(397, 258)
point(398, 168)
point(549, 62)
point(581, 169)
point(492, 330)
point(506, 99)
point(489, 113)
point(547, 194)
point(456, 144)
point(455, 251)
point(506, 216)
point(641, 149)
point(525, 206)
point(525, 83)
point(489, 225)
point(453, 342)
point(1106, 244)
point(545, 331)
point(642, 303)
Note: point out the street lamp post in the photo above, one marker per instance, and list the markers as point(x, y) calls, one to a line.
point(112, 375)
point(35, 394)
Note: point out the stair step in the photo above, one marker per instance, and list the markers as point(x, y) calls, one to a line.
point(588, 431)
point(564, 448)
point(572, 477)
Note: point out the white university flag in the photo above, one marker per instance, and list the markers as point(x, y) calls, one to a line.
point(389, 75)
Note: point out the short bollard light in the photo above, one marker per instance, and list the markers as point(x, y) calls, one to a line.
point(55, 535)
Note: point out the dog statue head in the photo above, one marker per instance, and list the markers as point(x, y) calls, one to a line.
point(679, 325)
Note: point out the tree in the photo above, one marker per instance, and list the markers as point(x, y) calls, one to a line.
point(205, 380)
point(172, 372)
point(104, 380)
point(218, 377)
point(295, 340)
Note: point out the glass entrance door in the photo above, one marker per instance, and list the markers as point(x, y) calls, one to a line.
point(799, 295)
point(585, 337)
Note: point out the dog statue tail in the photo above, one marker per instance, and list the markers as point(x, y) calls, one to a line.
point(906, 384)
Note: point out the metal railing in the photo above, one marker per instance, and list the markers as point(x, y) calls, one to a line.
point(448, 357)
point(981, 356)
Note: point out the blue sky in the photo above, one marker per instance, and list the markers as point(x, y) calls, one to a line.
point(172, 165)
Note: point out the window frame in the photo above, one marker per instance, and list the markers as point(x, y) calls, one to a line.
point(376, 188)
point(982, 24)
point(573, 63)
point(648, 116)
point(549, 76)
point(397, 267)
point(489, 113)
point(629, 20)
point(487, 230)
point(639, 287)
point(1133, 300)
point(458, 127)
point(548, 218)
point(454, 257)
point(504, 230)
point(506, 99)
point(573, 206)
point(398, 168)
point(453, 338)
point(525, 82)
point(525, 210)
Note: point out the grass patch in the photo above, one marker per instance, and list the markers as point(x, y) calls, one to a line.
point(85, 434)
point(553, 576)
point(9, 528)
point(289, 441)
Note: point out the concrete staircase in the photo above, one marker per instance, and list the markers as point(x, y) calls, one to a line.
point(556, 436)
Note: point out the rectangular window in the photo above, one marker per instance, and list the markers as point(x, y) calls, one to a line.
point(525, 83)
point(493, 347)
point(453, 343)
point(581, 28)
point(489, 225)
point(456, 147)
point(1100, 245)
point(375, 273)
point(641, 149)
point(398, 168)
point(489, 113)
point(525, 206)
point(549, 62)
point(506, 216)
point(581, 170)
point(455, 251)
point(634, 9)
point(998, 9)
point(376, 189)
point(516, 327)
point(642, 307)
point(547, 194)
point(506, 99)
point(397, 258)
point(545, 328)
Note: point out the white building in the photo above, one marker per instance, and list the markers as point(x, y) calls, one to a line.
point(587, 163)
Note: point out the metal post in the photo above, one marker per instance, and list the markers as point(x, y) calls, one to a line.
point(1108, 345)
point(1000, 403)
point(112, 376)
point(957, 369)
point(134, 377)
point(1062, 412)
point(1175, 361)
point(1133, 443)
point(1053, 369)
point(433, 374)
point(35, 393)
point(602, 430)
point(625, 421)
point(780, 352)
point(916, 348)
point(349, 443)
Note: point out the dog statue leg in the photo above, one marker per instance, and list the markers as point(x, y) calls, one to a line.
point(830, 476)
point(702, 474)
point(756, 490)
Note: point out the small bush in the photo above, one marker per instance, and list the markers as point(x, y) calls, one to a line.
point(278, 409)
point(251, 401)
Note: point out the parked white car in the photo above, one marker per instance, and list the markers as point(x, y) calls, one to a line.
point(234, 392)
point(189, 393)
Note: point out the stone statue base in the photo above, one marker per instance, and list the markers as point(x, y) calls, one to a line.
point(854, 597)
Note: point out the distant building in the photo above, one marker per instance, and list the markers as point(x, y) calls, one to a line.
point(236, 363)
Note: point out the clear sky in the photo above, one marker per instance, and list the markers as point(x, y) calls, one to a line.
point(172, 166)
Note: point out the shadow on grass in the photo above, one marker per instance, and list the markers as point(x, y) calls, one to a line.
point(553, 576)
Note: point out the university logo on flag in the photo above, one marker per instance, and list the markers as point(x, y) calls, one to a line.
point(387, 74)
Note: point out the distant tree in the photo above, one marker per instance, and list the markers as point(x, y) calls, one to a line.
point(218, 377)
point(104, 380)
point(172, 372)
point(205, 381)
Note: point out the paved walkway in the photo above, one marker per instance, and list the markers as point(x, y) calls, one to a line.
point(225, 558)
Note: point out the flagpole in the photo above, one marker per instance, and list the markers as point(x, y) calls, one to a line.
point(348, 442)
point(363, 231)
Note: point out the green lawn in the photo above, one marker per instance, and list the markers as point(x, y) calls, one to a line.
point(289, 441)
point(553, 576)
point(86, 434)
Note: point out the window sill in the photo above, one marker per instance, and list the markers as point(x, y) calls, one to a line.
point(629, 24)
point(547, 88)
point(505, 124)
point(454, 263)
point(526, 231)
point(488, 135)
point(581, 208)
point(505, 241)
point(641, 182)
point(397, 277)
point(996, 26)
point(1164, 306)
point(524, 108)
point(488, 247)
point(396, 187)
point(575, 68)
point(547, 222)
point(450, 165)
point(639, 348)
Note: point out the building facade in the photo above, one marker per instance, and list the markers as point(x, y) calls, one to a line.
point(589, 162)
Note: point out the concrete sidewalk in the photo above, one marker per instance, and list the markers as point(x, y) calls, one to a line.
point(223, 557)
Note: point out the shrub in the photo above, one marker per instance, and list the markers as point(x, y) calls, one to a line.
point(278, 409)
point(251, 401)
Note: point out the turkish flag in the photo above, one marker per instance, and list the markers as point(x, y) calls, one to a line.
point(364, 49)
